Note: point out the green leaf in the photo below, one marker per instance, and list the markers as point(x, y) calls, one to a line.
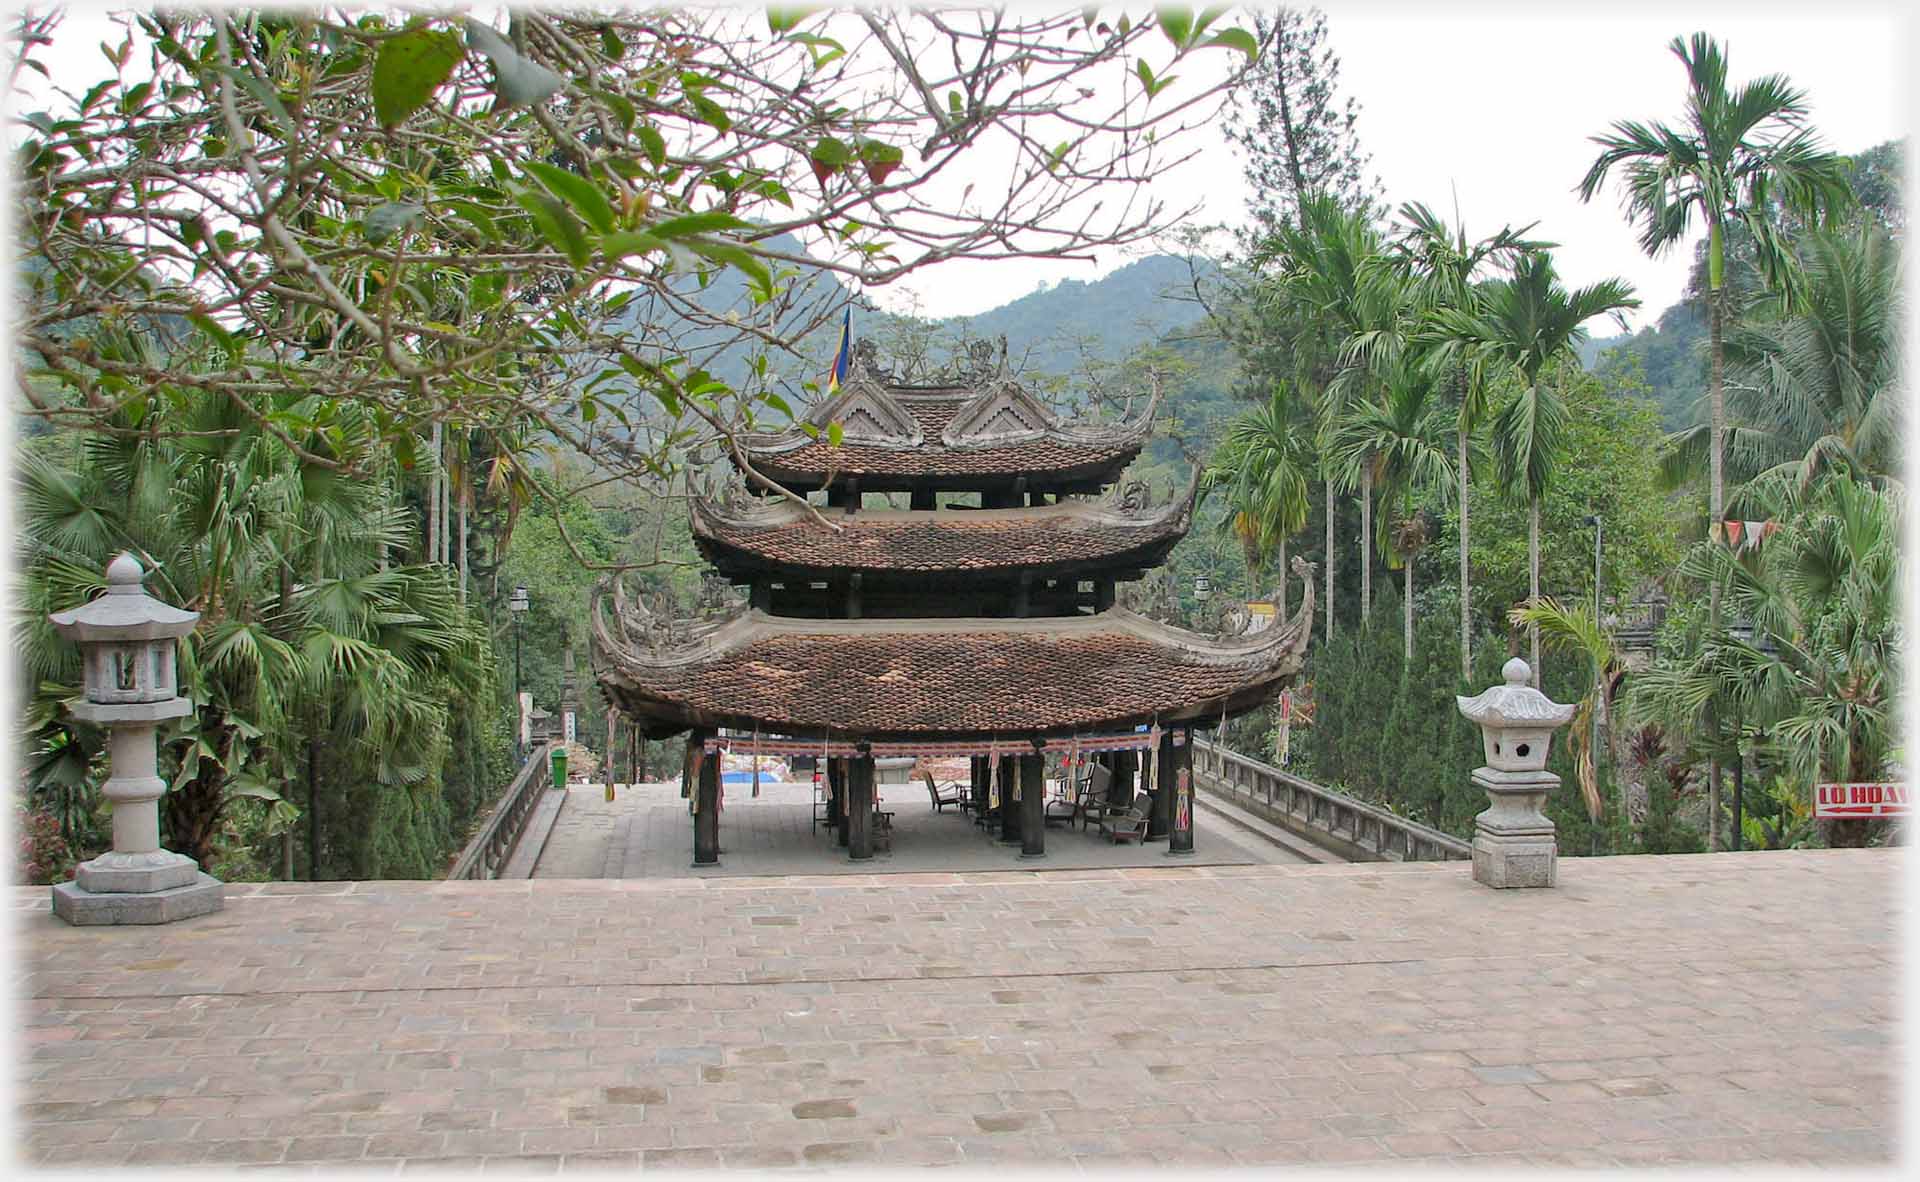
point(476, 217)
point(956, 104)
point(835, 433)
point(711, 113)
point(394, 217)
point(1238, 39)
point(611, 45)
point(556, 224)
point(881, 159)
point(735, 256)
point(783, 20)
point(630, 242)
point(652, 143)
point(409, 68)
point(1177, 24)
point(1058, 154)
point(1146, 75)
point(709, 222)
point(577, 191)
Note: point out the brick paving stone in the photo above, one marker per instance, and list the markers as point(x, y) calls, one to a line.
point(1193, 1015)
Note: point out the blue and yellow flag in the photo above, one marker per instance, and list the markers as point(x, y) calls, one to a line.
point(838, 373)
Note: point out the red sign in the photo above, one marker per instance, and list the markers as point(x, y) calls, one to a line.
point(1835, 801)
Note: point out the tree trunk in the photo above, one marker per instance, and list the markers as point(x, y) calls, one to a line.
point(1330, 552)
point(433, 499)
point(466, 495)
point(1533, 582)
point(1280, 597)
point(1366, 541)
point(1406, 607)
point(1466, 587)
point(1716, 489)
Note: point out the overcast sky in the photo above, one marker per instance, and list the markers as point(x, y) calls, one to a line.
point(1492, 105)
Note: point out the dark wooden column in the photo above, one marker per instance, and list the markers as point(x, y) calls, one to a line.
point(837, 811)
point(860, 807)
point(1120, 792)
point(977, 767)
point(1009, 808)
point(1102, 595)
point(1163, 764)
point(1033, 805)
point(706, 803)
point(1180, 832)
point(921, 498)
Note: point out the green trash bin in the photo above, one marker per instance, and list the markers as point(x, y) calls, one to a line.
point(559, 759)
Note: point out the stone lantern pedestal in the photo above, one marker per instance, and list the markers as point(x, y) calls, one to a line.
point(127, 639)
point(1513, 841)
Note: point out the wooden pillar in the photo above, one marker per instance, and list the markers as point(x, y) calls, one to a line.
point(1180, 832)
point(860, 806)
point(1022, 596)
point(706, 803)
point(1009, 808)
point(853, 596)
point(1163, 763)
point(1102, 594)
point(853, 494)
point(977, 769)
point(1033, 805)
point(1120, 791)
point(922, 497)
point(837, 799)
point(761, 595)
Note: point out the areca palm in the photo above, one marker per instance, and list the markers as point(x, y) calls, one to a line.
point(1522, 325)
point(1320, 291)
point(1445, 264)
point(1264, 463)
point(1736, 155)
point(1574, 630)
point(1401, 443)
point(1816, 387)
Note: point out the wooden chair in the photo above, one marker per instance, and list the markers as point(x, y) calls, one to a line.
point(943, 795)
point(1092, 803)
point(1129, 823)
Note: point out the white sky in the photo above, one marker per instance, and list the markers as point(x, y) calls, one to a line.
point(1491, 105)
point(1494, 103)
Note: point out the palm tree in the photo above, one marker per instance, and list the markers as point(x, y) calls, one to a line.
point(302, 637)
point(1265, 462)
point(1574, 630)
point(1817, 387)
point(1319, 293)
point(1736, 155)
point(1401, 443)
point(1444, 263)
point(1524, 324)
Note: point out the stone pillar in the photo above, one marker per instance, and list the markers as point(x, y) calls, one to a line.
point(1513, 841)
point(127, 643)
point(1033, 806)
point(706, 803)
point(860, 807)
point(1164, 763)
point(1009, 807)
point(1180, 830)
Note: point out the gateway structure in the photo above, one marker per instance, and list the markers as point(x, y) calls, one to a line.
point(980, 620)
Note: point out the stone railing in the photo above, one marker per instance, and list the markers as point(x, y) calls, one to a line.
point(1333, 820)
point(493, 845)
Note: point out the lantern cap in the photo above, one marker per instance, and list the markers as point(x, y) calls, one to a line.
point(125, 612)
point(1515, 704)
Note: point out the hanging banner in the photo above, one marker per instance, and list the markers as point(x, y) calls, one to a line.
point(566, 727)
point(1843, 801)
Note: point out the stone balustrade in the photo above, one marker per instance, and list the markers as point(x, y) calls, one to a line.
point(1330, 819)
point(493, 844)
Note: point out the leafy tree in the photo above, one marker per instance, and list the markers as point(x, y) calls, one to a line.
point(1298, 136)
point(445, 222)
point(1576, 631)
point(1265, 463)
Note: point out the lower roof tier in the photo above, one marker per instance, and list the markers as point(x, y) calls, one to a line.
point(922, 678)
point(1042, 540)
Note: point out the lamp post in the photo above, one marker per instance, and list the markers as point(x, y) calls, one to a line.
point(1600, 698)
point(517, 605)
point(127, 642)
point(1202, 591)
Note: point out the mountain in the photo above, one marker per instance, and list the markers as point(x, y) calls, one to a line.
point(1111, 316)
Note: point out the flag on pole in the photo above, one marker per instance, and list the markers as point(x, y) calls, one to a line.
point(844, 355)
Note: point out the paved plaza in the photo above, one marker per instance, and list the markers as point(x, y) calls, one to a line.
point(1710, 1009)
point(645, 832)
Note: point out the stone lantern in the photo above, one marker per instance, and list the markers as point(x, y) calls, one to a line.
point(128, 641)
point(1513, 842)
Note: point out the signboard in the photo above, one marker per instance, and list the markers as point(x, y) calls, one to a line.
point(1259, 617)
point(1837, 801)
point(526, 718)
point(567, 727)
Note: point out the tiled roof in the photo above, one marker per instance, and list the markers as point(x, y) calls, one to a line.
point(944, 677)
point(1075, 534)
point(1046, 448)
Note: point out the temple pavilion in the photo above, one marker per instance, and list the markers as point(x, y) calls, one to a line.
point(979, 620)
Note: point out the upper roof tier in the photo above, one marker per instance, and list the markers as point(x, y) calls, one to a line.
point(1117, 532)
point(982, 433)
point(916, 678)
